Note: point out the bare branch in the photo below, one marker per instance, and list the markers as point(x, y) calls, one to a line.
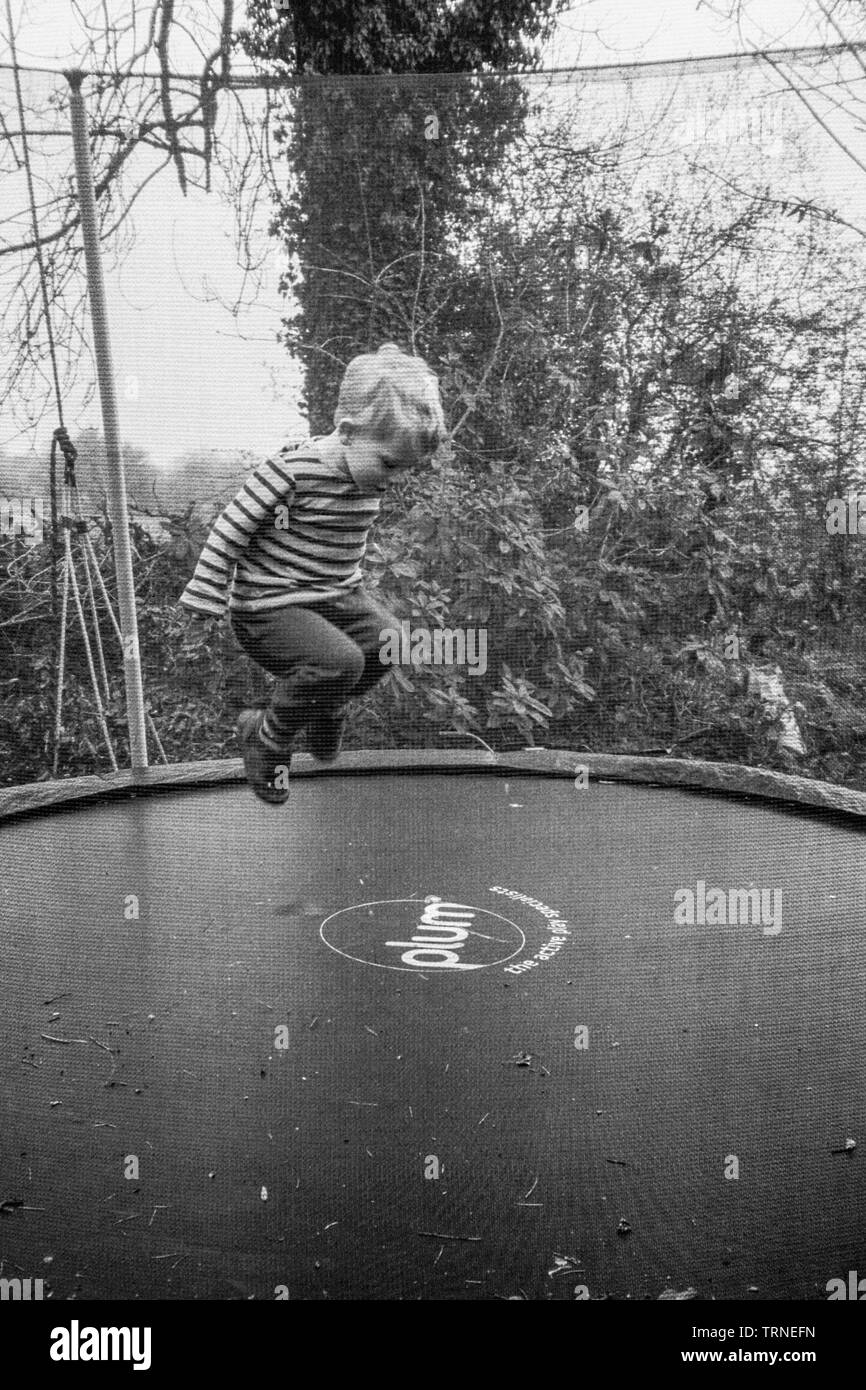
point(167, 12)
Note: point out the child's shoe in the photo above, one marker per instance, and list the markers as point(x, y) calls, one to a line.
point(325, 736)
point(261, 764)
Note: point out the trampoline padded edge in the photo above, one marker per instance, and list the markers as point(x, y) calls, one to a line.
point(727, 778)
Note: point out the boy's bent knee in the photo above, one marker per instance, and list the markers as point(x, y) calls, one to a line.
point(347, 671)
point(316, 675)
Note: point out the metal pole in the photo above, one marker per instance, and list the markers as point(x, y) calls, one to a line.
point(111, 428)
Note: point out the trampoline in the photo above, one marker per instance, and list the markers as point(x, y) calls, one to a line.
point(432, 1031)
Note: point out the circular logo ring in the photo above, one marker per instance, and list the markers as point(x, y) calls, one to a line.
point(417, 935)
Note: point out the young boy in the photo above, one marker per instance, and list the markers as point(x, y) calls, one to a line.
point(294, 538)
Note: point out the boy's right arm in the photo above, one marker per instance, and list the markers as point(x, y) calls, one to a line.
point(269, 486)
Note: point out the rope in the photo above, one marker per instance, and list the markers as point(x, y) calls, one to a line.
point(70, 580)
point(52, 485)
point(97, 636)
point(101, 582)
point(92, 569)
point(156, 738)
point(61, 672)
point(71, 517)
point(100, 711)
point(87, 545)
point(254, 80)
point(73, 520)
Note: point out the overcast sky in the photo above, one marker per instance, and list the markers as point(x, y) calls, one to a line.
point(204, 380)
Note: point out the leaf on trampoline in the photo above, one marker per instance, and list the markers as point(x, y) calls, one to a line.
point(521, 1059)
point(300, 907)
point(847, 1148)
point(564, 1264)
point(623, 1229)
point(674, 1296)
point(8, 1204)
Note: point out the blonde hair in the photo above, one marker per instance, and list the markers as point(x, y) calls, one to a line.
point(392, 394)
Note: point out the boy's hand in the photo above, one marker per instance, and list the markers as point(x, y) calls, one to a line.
point(195, 622)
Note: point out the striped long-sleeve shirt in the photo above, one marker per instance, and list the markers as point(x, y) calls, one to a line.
point(296, 532)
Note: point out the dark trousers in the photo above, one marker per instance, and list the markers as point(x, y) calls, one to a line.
point(321, 654)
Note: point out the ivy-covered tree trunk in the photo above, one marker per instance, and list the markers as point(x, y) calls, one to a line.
point(387, 178)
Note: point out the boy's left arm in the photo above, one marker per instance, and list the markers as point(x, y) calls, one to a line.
point(270, 485)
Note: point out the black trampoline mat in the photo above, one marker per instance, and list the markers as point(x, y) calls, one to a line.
point(704, 1042)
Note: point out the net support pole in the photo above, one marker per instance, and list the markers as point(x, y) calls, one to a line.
point(117, 505)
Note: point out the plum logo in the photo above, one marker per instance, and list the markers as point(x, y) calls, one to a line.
point(422, 935)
